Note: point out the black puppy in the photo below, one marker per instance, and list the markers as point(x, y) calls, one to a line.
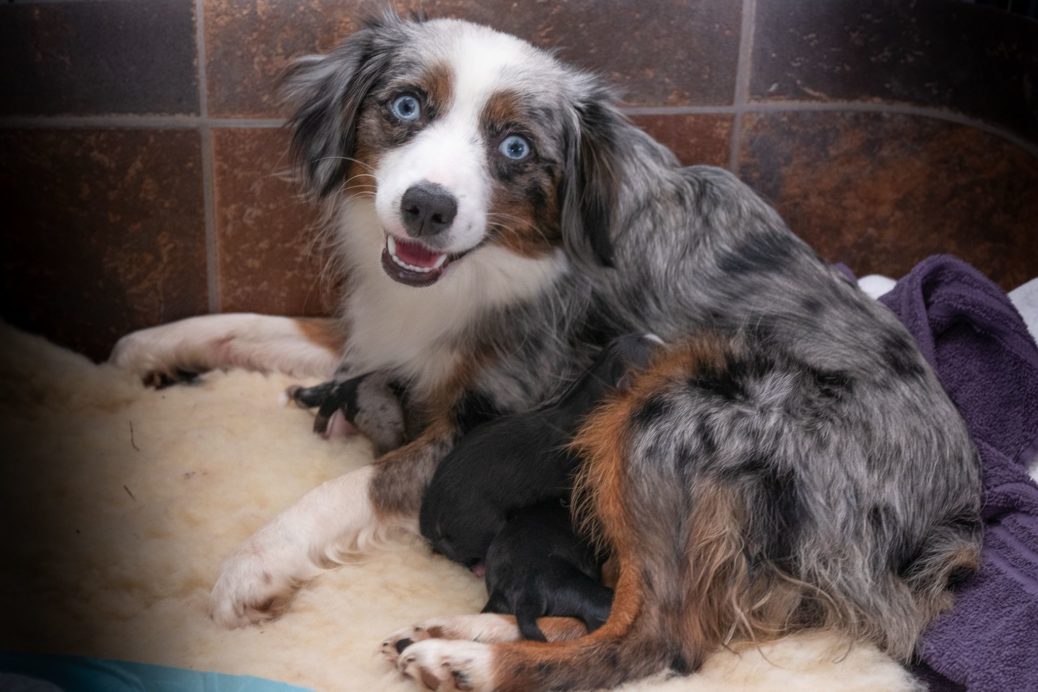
point(537, 566)
point(497, 499)
point(519, 460)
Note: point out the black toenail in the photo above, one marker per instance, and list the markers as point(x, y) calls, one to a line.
point(402, 644)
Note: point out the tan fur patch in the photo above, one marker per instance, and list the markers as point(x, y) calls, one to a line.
point(524, 208)
point(404, 473)
point(437, 82)
point(323, 332)
point(502, 109)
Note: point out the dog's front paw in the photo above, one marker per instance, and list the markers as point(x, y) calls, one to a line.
point(440, 664)
point(254, 586)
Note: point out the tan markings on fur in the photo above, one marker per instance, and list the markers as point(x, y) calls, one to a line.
point(610, 571)
point(555, 629)
point(375, 135)
point(715, 597)
point(518, 228)
point(326, 333)
point(964, 558)
point(560, 629)
point(437, 81)
point(403, 474)
point(360, 181)
point(528, 227)
point(725, 602)
point(360, 178)
point(527, 665)
point(502, 109)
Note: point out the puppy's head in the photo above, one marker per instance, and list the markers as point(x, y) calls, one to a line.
point(459, 525)
point(461, 138)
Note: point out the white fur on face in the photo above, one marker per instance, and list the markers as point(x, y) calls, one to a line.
point(398, 327)
point(451, 151)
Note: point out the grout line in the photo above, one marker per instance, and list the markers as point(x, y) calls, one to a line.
point(164, 122)
point(892, 109)
point(743, 69)
point(258, 123)
point(212, 249)
point(161, 122)
point(675, 110)
point(193, 121)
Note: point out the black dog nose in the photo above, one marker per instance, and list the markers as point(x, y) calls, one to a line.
point(427, 209)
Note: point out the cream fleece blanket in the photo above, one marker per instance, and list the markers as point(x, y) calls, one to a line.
point(118, 503)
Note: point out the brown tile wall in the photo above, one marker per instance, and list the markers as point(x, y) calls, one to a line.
point(142, 177)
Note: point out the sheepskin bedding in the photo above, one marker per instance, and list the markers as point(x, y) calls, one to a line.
point(118, 503)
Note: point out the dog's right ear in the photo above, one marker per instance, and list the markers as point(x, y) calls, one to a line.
point(327, 91)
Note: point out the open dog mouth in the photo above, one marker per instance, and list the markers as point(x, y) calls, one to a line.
point(412, 263)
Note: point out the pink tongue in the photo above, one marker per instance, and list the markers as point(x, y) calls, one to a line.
point(415, 254)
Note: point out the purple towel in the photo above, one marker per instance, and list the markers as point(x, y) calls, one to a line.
point(978, 344)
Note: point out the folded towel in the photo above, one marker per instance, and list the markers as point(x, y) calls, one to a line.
point(971, 334)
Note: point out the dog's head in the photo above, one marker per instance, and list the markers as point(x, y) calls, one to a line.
point(463, 138)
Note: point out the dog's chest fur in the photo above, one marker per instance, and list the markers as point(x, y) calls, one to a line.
point(424, 334)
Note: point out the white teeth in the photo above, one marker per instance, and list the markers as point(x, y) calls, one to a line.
point(391, 247)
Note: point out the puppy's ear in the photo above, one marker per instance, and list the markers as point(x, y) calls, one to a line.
point(326, 92)
point(590, 179)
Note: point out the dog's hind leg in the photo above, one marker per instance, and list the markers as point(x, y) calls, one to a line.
point(301, 347)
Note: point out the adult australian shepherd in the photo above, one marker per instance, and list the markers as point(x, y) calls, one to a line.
point(788, 461)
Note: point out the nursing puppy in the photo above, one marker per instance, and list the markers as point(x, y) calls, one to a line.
point(519, 460)
point(789, 462)
point(494, 502)
point(538, 566)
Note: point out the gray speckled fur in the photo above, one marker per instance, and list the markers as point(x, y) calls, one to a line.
point(833, 399)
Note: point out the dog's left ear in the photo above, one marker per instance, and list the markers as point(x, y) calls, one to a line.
point(590, 179)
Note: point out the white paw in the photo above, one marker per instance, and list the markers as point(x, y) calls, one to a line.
point(145, 354)
point(252, 587)
point(395, 643)
point(316, 533)
point(440, 664)
point(481, 627)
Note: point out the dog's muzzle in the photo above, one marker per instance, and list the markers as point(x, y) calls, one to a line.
point(427, 211)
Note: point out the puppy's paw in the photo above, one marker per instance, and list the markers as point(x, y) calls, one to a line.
point(440, 664)
point(254, 586)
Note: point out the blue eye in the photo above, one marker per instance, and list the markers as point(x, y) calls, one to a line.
point(515, 147)
point(406, 107)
